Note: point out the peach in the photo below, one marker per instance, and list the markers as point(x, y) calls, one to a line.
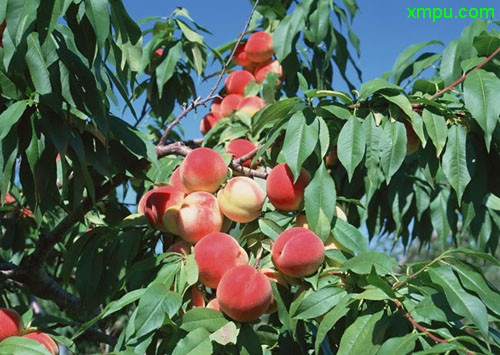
point(214, 304)
point(9, 198)
point(259, 47)
point(269, 67)
point(209, 121)
point(175, 180)
point(160, 207)
point(215, 106)
point(283, 193)
point(229, 104)
point(198, 216)
point(197, 299)
point(2, 28)
point(159, 52)
point(44, 339)
point(11, 323)
point(215, 254)
point(244, 294)
point(301, 220)
point(239, 148)
point(298, 252)
point(251, 105)
point(412, 141)
point(332, 158)
point(275, 276)
point(237, 80)
point(181, 247)
point(241, 200)
point(240, 56)
point(203, 170)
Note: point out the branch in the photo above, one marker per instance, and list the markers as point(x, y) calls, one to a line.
point(211, 95)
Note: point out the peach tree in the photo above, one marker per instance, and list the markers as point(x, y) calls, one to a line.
point(121, 236)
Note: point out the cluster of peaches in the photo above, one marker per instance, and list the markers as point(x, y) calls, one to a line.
point(255, 56)
point(198, 206)
point(11, 325)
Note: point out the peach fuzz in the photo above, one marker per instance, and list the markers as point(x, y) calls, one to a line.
point(283, 193)
point(261, 71)
point(241, 200)
point(412, 141)
point(11, 323)
point(244, 294)
point(44, 339)
point(160, 207)
point(203, 170)
point(215, 254)
point(237, 80)
point(198, 216)
point(240, 56)
point(229, 104)
point(214, 304)
point(298, 252)
point(175, 180)
point(259, 47)
point(209, 121)
point(251, 105)
point(239, 148)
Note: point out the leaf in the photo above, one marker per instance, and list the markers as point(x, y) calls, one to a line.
point(319, 302)
point(360, 334)
point(403, 60)
point(197, 342)
point(273, 114)
point(400, 345)
point(270, 228)
point(372, 86)
point(207, 318)
point(394, 151)
point(37, 65)
point(192, 36)
point(455, 160)
point(319, 22)
point(440, 214)
point(363, 262)
point(493, 202)
point(436, 127)
point(351, 145)
point(330, 319)
point(100, 19)
point(10, 116)
point(461, 302)
point(402, 102)
point(320, 196)
point(18, 345)
point(481, 90)
point(349, 237)
point(227, 334)
point(450, 70)
point(166, 69)
point(248, 341)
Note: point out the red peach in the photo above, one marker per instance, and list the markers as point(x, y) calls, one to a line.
point(332, 158)
point(244, 294)
point(198, 216)
point(9, 198)
point(2, 28)
point(269, 67)
point(214, 304)
point(239, 148)
point(197, 299)
point(229, 104)
point(215, 254)
point(160, 207)
point(259, 47)
point(203, 170)
point(251, 105)
point(240, 56)
point(209, 121)
point(298, 252)
point(412, 141)
point(215, 106)
point(10, 323)
point(175, 180)
point(159, 52)
point(237, 80)
point(282, 192)
point(241, 200)
point(44, 339)
point(181, 247)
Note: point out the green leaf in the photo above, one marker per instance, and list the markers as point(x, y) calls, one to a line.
point(166, 69)
point(133, 140)
point(450, 70)
point(359, 336)
point(197, 342)
point(37, 65)
point(461, 302)
point(493, 202)
point(372, 86)
point(436, 127)
point(440, 214)
point(402, 102)
point(363, 262)
point(207, 318)
point(191, 35)
point(351, 145)
point(270, 228)
point(157, 304)
point(319, 302)
point(319, 22)
point(400, 345)
point(403, 60)
point(481, 90)
point(455, 160)
point(300, 140)
point(10, 116)
point(272, 115)
point(19, 345)
point(394, 150)
point(349, 237)
point(100, 19)
point(320, 196)
point(330, 319)
point(227, 334)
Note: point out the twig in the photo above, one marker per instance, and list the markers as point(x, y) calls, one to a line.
point(211, 95)
point(247, 156)
point(401, 283)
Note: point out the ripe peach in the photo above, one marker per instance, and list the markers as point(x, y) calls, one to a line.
point(298, 252)
point(175, 180)
point(159, 52)
point(240, 56)
point(241, 199)
point(214, 304)
point(259, 47)
point(203, 170)
point(181, 247)
point(229, 104)
point(244, 294)
point(9, 198)
point(215, 106)
point(332, 158)
point(251, 105)
point(160, 207)
point(282, 192)
point(44, 339)
point(215, 254)
point(412, 141)
point(237, 80)
point(198, 216)
point(269, 67)
point(239, 148)
point(10, 323)
point(197, 299)
point(209, 121)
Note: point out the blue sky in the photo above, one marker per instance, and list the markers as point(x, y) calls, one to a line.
point(382, 26)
